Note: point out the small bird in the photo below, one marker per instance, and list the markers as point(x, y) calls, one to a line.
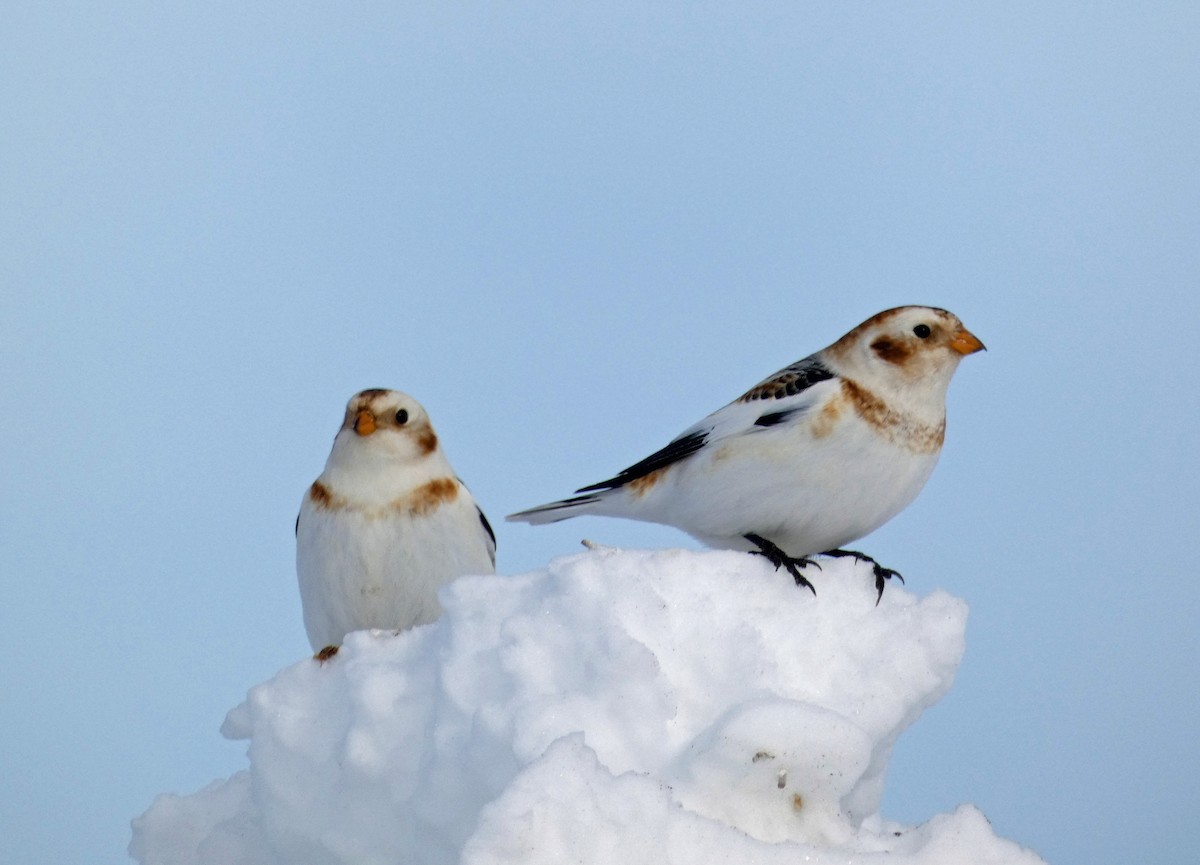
point(385, 525)
point(818, 455)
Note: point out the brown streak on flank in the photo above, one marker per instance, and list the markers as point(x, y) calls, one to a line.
point(428, 497)
point(939, 436)
point(719, 454)
point(323, 498)
point(826, 420)
point(891, 351)
point(646, 482)
point(897, 428)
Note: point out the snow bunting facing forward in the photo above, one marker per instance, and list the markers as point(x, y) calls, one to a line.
point(385, 525)
point(814, 457)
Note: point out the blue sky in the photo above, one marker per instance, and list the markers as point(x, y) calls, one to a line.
point(571, 233)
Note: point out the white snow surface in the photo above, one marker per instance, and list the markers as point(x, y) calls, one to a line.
point(615, 707)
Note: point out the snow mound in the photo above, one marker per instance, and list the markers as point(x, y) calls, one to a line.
point(616, 707)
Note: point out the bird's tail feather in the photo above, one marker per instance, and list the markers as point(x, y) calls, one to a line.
point(553, 512)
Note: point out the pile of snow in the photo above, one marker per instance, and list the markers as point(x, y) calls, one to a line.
point(616, 707)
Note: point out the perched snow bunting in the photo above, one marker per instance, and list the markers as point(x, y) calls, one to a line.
point(385, 525)
point(818, 455)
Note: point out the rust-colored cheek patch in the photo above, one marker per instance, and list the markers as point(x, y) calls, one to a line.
point(427, 498)
point(891, 351)
point(427, 440)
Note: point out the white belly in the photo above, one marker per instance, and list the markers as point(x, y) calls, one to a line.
point(805, 494)
point(359, 572)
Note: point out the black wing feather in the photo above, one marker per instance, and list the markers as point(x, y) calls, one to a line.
point(486, 525)
point(789, 381)
point(682, 447)
point(775, 417)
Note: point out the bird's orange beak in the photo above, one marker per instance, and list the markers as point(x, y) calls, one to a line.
point(364, 422)
point(965, 342)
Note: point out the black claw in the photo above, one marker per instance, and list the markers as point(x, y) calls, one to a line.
point(881, 573)
point(780, 559)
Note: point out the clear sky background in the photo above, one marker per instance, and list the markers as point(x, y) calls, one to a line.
point(571, 233)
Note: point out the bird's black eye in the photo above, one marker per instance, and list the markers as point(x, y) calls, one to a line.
point(922, 331)
point(402, 416)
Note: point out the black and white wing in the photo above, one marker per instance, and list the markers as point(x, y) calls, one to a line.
point(785, 396)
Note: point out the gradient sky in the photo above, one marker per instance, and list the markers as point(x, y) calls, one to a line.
point(570, 233)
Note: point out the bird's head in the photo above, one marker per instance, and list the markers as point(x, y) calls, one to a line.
point(384, 425)
point(910, 349)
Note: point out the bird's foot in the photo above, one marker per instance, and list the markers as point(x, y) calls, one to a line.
point(780, 559)
point(325, 654)
point(881, 573)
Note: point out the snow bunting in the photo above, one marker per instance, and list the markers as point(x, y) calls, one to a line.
point(818, 455)
point(385, 525)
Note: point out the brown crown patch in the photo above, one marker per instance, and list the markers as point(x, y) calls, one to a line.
point(847, 342)
point(853, 335)
point(372, 393)
point(899, 429)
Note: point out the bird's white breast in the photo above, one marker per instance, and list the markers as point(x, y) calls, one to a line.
point(381, 566)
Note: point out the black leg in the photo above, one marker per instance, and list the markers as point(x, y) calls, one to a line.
point(780, 559)
point(881, 573)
